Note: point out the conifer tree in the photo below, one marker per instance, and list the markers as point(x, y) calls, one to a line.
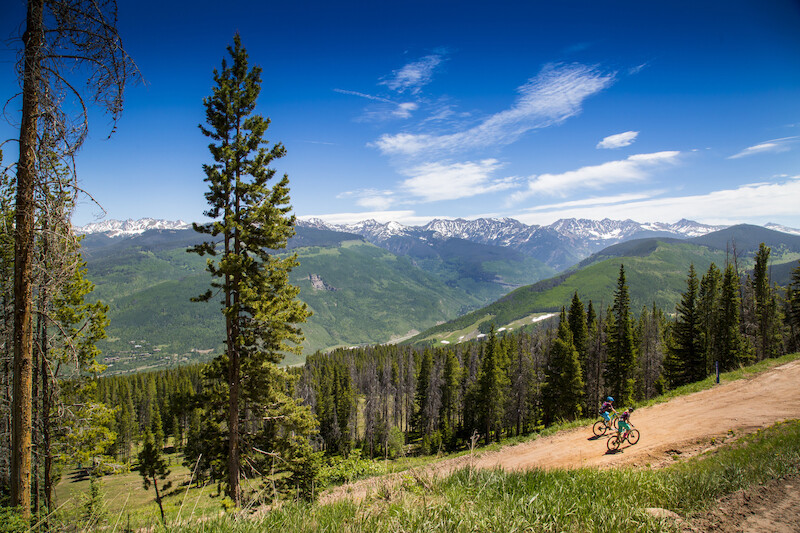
point(423, 423)
point(792, 308)
point(768, 338)
point(651, 352)
point(451, 379)
point(153, 467)
point(563, 387)
point(621, 362)
point(491, 389)
point(578, 325)
point(733, 347)
point(708, 309)
point(686, 363)
point(252, 219)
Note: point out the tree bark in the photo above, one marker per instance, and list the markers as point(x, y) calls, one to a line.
point(23, 263)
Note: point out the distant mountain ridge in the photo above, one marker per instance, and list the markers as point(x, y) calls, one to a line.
point(559, 245)
point(119, 228)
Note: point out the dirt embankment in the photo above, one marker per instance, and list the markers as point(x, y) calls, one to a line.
point(682, 427)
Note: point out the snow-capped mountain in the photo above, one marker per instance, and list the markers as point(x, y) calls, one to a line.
point(782, 229)
point(511, 232)
point(119, 228)
point(561, 244)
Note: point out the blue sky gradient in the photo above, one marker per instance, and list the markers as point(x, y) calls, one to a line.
point(409, 111)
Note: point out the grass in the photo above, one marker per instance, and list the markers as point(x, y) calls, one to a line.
point(127, 503)
point(539, 500)
point(568, 500)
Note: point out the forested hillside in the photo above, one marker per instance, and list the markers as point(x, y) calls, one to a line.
point(392, 399)
point(359, 293)
point(656, 269)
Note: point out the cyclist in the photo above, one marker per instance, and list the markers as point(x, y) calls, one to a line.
point(624, 423)
point(606, 408)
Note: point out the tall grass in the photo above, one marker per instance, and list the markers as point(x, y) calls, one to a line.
point(539, 500)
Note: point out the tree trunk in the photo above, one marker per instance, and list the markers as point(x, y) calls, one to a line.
point(158, 499)
point(23, 261)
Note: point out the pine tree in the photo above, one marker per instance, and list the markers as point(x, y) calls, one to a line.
point(260, 306)
point(153, 467)
point(733, 347)
point(451, 379)
point(423, 423)
point(621, 362)
point(792, 308)
point(563, 387)
point(686, 363)
point(491, 389)
point(651, 352)
point(62, 41)
point(578, 325)
point(768, 337)
point(708, 309)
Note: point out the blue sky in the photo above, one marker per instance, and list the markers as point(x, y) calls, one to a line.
point(409, 111)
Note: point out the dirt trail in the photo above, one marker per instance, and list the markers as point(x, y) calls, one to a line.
point(684, 427)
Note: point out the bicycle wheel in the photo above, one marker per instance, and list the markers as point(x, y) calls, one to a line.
point(599, 428)
point(613, 443)
point(633, 436)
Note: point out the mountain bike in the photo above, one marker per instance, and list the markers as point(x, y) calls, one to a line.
point(600, 427)
point(631, 435)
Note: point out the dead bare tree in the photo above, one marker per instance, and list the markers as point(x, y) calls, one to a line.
point(71, 57)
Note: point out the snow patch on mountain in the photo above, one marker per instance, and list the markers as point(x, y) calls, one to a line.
point(782, 229)
point(120, 228)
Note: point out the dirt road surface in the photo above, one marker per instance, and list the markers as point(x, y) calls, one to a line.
point(682, 427)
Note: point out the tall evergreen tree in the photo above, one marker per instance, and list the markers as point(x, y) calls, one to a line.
point(60, 42)
point(252, 218)
point(733, 347)
point(451, 380)
point(423, 422)
point(768, 337)
point(491, 389)
point(563, 388)
point(651, 352)
point(686, 362)
point(708, 309)
point(578, 325)
point(153, 467)
point(792, 308)
point(621, 347)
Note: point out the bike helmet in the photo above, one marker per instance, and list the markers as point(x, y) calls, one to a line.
point(610, 399)
point(630, 409)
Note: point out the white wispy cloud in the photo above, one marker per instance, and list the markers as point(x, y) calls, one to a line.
point(773, 146)
point(757, 201)
point(413, 76)
point(594, 201)
point(633, 169)
point(554, 95)
point(406, 217)
point(618, 140)
point(404, 110)
point(364, 95)
point(395, 109)
point(370, 198)
point(449, 181)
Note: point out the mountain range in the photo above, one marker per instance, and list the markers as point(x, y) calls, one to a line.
point(370, 282)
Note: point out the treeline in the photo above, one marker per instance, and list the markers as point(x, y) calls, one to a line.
point(443, 397)
point(391, 399)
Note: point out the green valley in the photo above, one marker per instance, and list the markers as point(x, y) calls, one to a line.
point(359, 293)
